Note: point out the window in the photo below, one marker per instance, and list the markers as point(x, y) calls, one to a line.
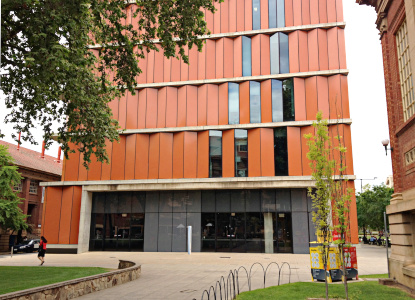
point(276, 15)
point(279, 53)
point(288, 100)
point(405, 72)
point(215, 153)
point(241, 153)
point(246, 56)
point(282, 94)
point(233, 103)
point(18, 187)
point(256, 14)
point(410, 156)
point(33, 187)
point(280, 151)
point(254, 102)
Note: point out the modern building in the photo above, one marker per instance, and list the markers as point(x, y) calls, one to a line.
point(217, 144)
point(396, 23)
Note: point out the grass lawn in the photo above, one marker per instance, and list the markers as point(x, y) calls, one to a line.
point(374, 276)
point(20, 278)
point(302, 290)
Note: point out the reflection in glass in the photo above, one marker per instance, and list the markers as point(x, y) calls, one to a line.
point(137, 232)
point(233, 103)
point(255, 102)
point(277, 103)
point(224, 231)
point(254, 232)
point(241, 153)
point(284, 56)
point(237, 232)
point(215, 153)
point(280, 151)
point(256, 14)
point(280, 13)
point(275, 53)
point(208, 232)
point(288, 100)
point(282, 234)
point(276, 13)
point(246, 56)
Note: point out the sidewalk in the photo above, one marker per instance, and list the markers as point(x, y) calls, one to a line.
point(182, 276)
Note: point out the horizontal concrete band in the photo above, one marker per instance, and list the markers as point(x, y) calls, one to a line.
point(232, 126)
point(254, 32)
point(157, 85)
point(63, 246)
point(402, 206)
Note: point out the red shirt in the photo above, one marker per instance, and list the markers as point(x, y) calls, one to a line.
point(42, 245)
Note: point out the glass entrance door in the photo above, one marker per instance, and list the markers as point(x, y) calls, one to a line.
point(230, 232)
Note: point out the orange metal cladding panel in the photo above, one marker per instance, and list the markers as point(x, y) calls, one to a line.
point(303, 50)
point(210, 61)
point(122, 110)
point(232, 15)
point(224, 17)
point(141, 161)
point(240, 15)
point(158, 65)
point(150, 66)
point(342, 49)
point(265, 55)
point(311, 97)
point(118, 159)
point(333, 48)
point(248, 14)
point(106, 168)
point(347, 140)
point(72, 164)
point(209, 20)
point(345, 97)
point(304, 149)
point(166, 156)
point(264, 14)
point(203, 154)
point(266, 101)
point(83, 172)
point(254, 152)
point(339, 11)
point(353, 215)
point(181, 106)
point(323, 56)
point(216, 18)
point(305, 12)
point(193, 54)
point(154, 156)
point(293, 52)
point(142, 107)
point(294, 151)
point(167, 69)
point(212, 104)
point(256, 55)
point(201, 105)
point(297, 12)
point(335, 97)
point(322, 8)
point(267, 152)
point(313, 64)
point(161, 107)
point(63, 169)
point(76, 212)
point(289, 14)
point(299, 99)
point(142, 64)
point(314, 18)
point(223, 104)
point(323, 96)
point(52, 210)
point(244, 117)
point(228, 153)
point(65, 215)
point(184, 68)
point(331, 11)
point(334, 132)
point(237, 57)
point(132, 111)
point(219, 63)
point(227, 60)
point(94, 172)
point(190, 153)
point(175, 67)
point(191, 117)
point(178, 154)
point(130, 144)
point(201, 62)
point(171, 111)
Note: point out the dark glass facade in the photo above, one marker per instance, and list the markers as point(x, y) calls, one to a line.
point(241, 153)
point(280, 151)
point(215, 153)
point(282, 100)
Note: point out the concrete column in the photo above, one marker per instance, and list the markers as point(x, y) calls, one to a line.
point(269, 233)
point(85, 221)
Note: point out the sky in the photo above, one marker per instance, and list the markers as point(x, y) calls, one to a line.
point(366, 95)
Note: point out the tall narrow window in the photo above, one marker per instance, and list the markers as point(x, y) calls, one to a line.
point(241, 153)
point(282, 94)
point(215, 153)
point(255, 102)
point(246, 56)
point(284, 57)
point(256, 14)
point(280, 151)
point(276, 14)
point(233, 103)
point(279, 53)
point(288, 100)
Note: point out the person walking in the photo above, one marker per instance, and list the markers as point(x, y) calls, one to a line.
point(42, 250)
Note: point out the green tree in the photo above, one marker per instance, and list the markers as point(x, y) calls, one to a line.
point(51, 74)
point(11, 216)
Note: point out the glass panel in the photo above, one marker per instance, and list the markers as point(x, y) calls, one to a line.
point(179, 232)
point(152, 201)
point(246, 56)
point(124, 202)
point(151, 229)
point(282, 235)
point(256, 14)
point(193, 203)
point(237, 232)
point(111, 203)
point(180, 200)
point(268, 200)
point(97, 232)
point(272, 13)
point(255, 102)
point(238, 201)
point(122, 230)
point(299, 200)
point(281, 151)
point(165, 232)
point(208, 232)
point(215, 153)
point(137, 232)
point(254, 232)
point(223, 201)
point(138, 202)
point(110, 239)
point(284, 56)
point(288, 96)
point(98, 203)
point(194, 220)
point(280, 13)
point(275, 53)
point(253, 201)
point(283, 199)
point(277, 107)
point(166, 201)
point(223, 232)
point(208, 201)
point(241, 153)
point(233, 103)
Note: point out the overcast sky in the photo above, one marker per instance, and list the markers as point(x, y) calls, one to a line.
point(366, 95)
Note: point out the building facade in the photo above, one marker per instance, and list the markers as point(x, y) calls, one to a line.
point(217, 144)
point(396, 23)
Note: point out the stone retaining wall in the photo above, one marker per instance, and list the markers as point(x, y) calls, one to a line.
point(127, 271)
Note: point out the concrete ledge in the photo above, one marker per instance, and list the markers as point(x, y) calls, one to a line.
point(127, 271)
point(409, 271)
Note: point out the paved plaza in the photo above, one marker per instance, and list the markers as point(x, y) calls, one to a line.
point(182, 276)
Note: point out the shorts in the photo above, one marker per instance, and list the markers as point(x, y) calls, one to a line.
point(41, 253)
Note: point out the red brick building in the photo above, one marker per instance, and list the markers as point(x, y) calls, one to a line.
point(395, 22)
